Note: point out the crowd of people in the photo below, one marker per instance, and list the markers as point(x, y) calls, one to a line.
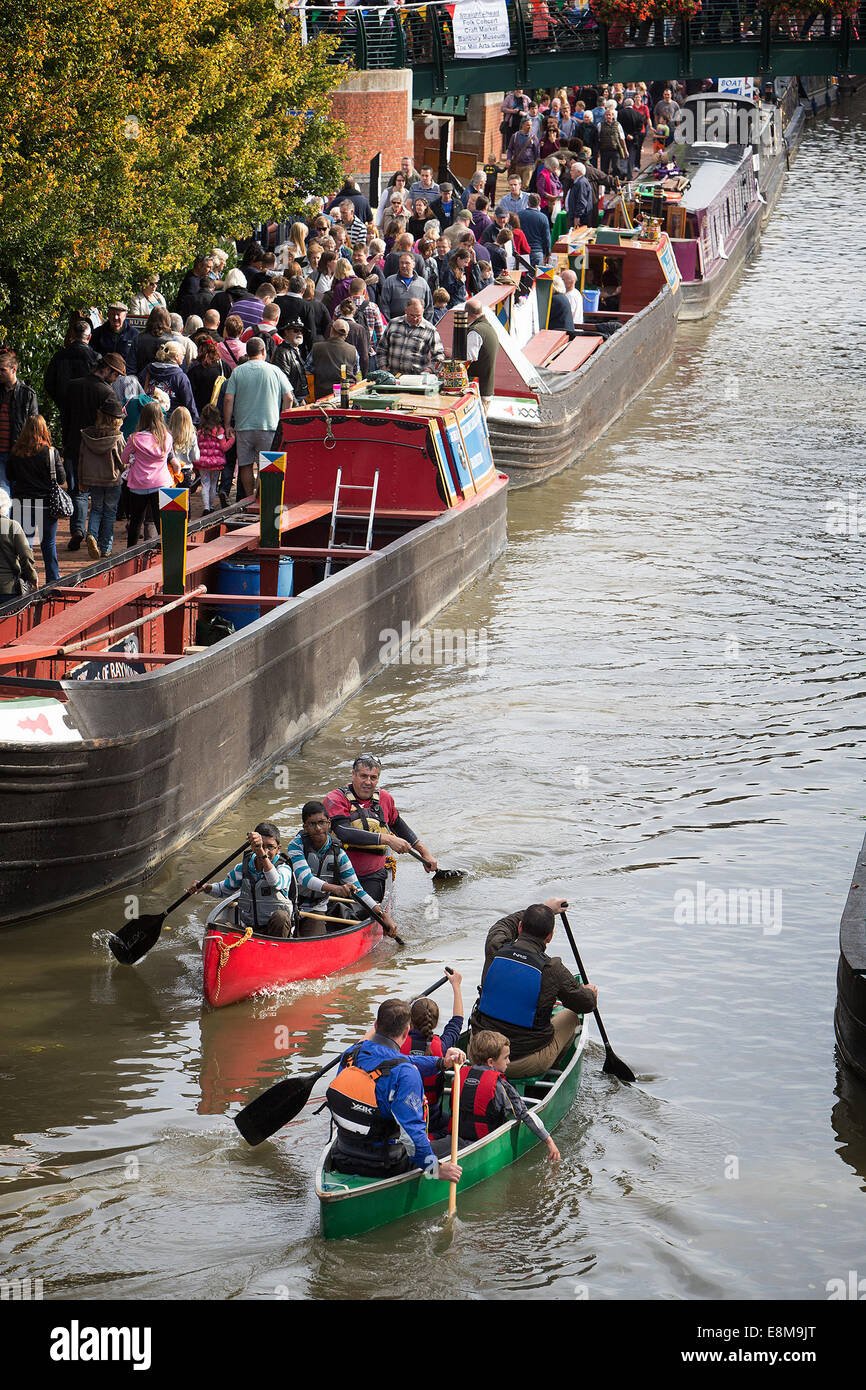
point(149, 397)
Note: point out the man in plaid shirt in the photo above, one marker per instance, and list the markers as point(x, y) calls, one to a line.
point(410, 344)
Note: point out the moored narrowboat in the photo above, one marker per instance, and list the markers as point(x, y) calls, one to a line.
point(130, 719)
point(849, 1019)
point(554, 395)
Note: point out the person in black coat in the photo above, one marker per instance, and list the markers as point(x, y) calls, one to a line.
point(295, 309)
point(290, 358)
point(17, 404)
point(70, 362)
point(192, 285)
point(116, 335)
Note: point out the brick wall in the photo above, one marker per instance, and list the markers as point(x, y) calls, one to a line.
point(376, 107)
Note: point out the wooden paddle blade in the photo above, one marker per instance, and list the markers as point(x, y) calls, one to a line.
point(274, 1108)
point(617, 1067)
point(135, 939)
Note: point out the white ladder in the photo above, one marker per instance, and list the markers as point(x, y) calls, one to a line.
point(335, 516)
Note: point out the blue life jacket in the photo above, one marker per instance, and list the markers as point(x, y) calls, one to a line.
point(512, 986)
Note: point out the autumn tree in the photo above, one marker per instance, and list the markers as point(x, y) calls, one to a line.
point(135, 135)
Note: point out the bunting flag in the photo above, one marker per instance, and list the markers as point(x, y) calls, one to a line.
point(173, 521)
point(272, 462)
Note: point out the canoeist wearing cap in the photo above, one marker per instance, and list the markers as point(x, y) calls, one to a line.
point(520, 985)
point(323, 873)
point(264, 878)
point(377, 1104)
point(487, 1100)
point(367, 822)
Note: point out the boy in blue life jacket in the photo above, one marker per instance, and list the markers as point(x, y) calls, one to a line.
point(487, 1100)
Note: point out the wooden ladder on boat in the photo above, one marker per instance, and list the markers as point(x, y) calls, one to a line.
point(335, 513)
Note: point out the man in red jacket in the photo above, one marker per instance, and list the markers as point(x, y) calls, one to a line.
point(366, 820)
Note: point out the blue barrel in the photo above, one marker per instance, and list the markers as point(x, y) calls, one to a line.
point(590, 301)
point(243, 577)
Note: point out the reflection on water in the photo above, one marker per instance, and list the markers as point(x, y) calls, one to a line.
point(668, 729)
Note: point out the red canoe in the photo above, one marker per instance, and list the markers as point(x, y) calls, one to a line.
point(237, 966)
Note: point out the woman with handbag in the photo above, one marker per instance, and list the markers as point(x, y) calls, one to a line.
point(38, 482)
point(16, 558)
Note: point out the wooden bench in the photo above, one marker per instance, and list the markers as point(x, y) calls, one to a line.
point(541, 348)
point(574, 356)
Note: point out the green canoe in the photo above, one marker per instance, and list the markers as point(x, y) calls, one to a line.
point(351, 1205)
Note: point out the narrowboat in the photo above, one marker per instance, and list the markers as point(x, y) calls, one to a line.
point(555, 396)
point(849, 1019)
point(350, 1205)
point(130, 718)
point(238, 962)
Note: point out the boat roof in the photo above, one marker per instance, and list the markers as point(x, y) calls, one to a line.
point(715, 167)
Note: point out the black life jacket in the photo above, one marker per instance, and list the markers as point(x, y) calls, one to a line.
point(324, 863)
point(477, 1114)
point(512, 987)
point(372, 820)
point(351, 1099)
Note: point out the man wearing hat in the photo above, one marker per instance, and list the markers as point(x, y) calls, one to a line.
point(290, 358)
point(82, 402)
point(116, 335)
point(500, 221)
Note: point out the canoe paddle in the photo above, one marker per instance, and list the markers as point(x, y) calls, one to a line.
point(612, 1063)
point(281, 1103)
point(440, 875)
point(135, 939)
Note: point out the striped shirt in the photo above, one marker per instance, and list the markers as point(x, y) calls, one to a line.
point(278, 876)
point(306, 879)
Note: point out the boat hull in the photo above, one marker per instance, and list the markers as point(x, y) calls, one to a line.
point(568, 422)
point(701, 297)
point(264, 963)
point(139, 768)
point(351, 1206)
point(849, 1019)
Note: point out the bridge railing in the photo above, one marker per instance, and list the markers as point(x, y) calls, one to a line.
point(544, 32)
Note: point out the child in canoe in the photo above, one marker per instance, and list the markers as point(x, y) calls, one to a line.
point(423, 1038)
point(487, 1100)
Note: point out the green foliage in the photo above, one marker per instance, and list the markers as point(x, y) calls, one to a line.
point(137, 135)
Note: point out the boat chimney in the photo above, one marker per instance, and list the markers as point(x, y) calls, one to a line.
point(459, 347)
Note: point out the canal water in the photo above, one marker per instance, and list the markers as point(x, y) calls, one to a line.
point(665, 706)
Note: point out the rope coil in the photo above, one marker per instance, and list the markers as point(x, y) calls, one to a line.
point(224, 953)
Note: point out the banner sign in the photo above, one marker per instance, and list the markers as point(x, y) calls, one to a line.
point(481, 29)
point(736, 86)
point(111, 670)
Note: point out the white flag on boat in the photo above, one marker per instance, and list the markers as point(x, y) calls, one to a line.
point(481, 29)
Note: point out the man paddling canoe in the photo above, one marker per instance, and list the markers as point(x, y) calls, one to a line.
point(377, 1104)
point(323, 872)
point(520, 985)
point(366, 820)
point(264, 877)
